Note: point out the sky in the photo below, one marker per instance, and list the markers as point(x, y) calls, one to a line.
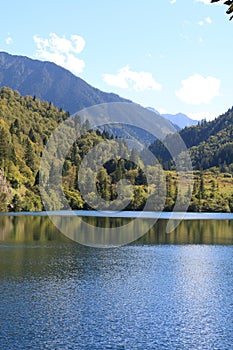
point(172, 55)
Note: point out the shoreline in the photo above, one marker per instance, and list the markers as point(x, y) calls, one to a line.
point(128, 214)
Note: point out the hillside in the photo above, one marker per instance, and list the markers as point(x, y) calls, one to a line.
point(25, 126)
point(50, 82)
point(210, 143)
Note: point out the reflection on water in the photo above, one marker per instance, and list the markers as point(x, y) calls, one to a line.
point(57, 294)
point(40, 228)
point(27, 228)
point(192, 232)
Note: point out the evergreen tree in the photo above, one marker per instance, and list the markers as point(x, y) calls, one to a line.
point(104, 184)
point(32, 135)
point(4, 145)
point(29, 155)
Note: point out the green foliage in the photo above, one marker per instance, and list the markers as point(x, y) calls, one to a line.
point(210, 144)
point(26, 124)
point(74, 198)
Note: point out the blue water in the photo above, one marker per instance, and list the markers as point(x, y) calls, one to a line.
point(60, 295)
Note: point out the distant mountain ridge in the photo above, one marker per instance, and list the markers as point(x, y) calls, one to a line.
point(179, 119)
point(51, 83)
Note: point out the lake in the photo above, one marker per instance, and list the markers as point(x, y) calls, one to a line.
point(163, 291)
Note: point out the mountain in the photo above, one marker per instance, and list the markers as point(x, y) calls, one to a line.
point(51, 83)
point(179, 119)
point(210, 144)
point(153, 110)
point(26, 124)
point(138, 126)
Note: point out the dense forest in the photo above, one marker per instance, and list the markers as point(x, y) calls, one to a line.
point(210, 144)
point(26, 124)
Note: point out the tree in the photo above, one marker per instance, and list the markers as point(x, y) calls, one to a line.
point(4, 145)
point(201, 193)
point(104, 184)
point(229, 3)
point(139, 198)
point(134, 157)
point(29, 155)
point(16, 203)
point(32, 135)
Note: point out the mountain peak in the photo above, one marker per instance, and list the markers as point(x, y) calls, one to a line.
point(179, 119)
point(50, 82)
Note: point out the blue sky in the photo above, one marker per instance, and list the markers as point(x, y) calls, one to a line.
point(175, 56)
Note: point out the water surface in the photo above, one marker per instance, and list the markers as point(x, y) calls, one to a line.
point(165, 291)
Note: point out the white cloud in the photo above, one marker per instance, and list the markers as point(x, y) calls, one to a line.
point(200, 40)
point(126, 78)
point(61, 51)
point(172, 1)
point(208, 2)
point(197, 89)
point(207, 20)
point(8, 40)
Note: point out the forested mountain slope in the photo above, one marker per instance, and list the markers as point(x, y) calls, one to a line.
point(26, 124)
point(209, 143)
